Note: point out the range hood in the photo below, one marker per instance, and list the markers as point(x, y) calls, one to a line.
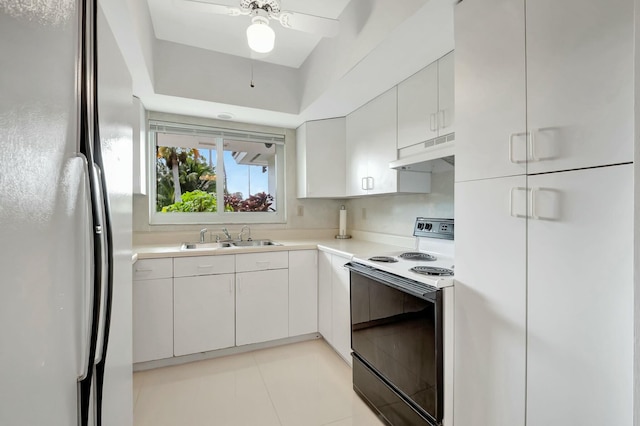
point(434, 159)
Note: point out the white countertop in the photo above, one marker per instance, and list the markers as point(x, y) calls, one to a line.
point(346, 248)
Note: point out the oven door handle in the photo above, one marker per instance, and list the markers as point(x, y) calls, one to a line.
point(416, 288)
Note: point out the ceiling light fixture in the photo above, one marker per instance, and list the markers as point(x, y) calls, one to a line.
point(260, 35)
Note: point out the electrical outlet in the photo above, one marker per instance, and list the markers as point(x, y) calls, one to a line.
point(300, 210)
point(364, 214)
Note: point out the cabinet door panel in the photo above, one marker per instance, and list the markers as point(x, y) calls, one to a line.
point(303, 292)
point(417, 104)
point(490, 88)
point(324, 296)
point(203, 265)
point(320, 143)
point(341, 308)
point(203, 313)
point(262, 261)
point(446, 94)
point(152, 319)
point(358, 129)
point(580, 304)
point(149, 269)
point(490, 304)
point(381, 148)
point(262, 306)
point(580, 82)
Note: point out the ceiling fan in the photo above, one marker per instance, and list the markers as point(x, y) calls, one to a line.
point(260, 36)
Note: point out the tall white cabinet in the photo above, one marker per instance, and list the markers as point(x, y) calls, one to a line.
point(544, 290)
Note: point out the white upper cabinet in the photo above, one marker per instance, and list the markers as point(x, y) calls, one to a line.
point(418, 107)
point(490, 94)
point(321, 158)
point(563, 100)
point(371, 145)
point(425, 103)
point(580, 88)
point(446, 94)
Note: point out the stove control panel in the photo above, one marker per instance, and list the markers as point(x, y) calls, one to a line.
point(433, 228)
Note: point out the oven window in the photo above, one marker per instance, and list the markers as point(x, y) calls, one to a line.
point(399, 336)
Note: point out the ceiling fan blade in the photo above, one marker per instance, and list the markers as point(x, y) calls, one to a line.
point(325, 27)
point(206, 7)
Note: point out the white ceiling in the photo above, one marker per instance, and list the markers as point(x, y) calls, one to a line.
point(197, 65)
point(227, 34)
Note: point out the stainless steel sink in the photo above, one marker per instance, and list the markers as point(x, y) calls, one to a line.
point(204, 246)
point(255, 243)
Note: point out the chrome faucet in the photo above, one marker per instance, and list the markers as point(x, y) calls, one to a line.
point(203, 232)
point(226, 233)
point(241, 234)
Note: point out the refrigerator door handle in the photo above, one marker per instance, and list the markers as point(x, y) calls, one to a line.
point(89, 285)
point(101, 231)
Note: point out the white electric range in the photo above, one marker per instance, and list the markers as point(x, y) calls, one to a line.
point(431, 262)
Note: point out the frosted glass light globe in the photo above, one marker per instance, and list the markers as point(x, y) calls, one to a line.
point(260, 35)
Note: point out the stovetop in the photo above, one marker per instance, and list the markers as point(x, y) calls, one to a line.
point(434, 248)
point(402, 267)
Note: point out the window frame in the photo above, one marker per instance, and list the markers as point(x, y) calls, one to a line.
point(219, 217)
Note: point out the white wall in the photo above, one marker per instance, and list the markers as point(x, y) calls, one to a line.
point(194, 73)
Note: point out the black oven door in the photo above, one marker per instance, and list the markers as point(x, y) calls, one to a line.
point(396, 334)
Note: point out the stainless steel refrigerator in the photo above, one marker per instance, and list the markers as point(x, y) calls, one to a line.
point(65, 217)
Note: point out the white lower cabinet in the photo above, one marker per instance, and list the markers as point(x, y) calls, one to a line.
point(262, 300)
point(580, 298)
point(490, 304)
point(204, 318)
point(325, 320)
point(544, 299)
point(303, 292)
point(341, 311)
point(334, 318)
point(152, 319)
point(188, 305)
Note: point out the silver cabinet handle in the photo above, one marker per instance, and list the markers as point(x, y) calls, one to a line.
point(511, 212)
point(369, 179)
point(432, 122)
point(512, 136)
point(532, 145)
point(363, 184)
point(441, 124)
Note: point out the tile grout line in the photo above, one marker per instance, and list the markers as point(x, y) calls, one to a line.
point(264, 382)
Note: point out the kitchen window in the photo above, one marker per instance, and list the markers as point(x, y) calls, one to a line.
point(206, 175)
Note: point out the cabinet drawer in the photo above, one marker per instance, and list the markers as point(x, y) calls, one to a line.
point(149, 269)
point(203, 265)
point(262, 261)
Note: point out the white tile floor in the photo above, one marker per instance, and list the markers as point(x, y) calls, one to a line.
point(303, 384)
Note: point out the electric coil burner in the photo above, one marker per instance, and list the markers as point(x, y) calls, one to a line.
point(430, 270)
point(416, 255)
point(384, 259)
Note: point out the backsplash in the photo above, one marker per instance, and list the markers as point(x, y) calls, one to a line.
point(396, 214)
